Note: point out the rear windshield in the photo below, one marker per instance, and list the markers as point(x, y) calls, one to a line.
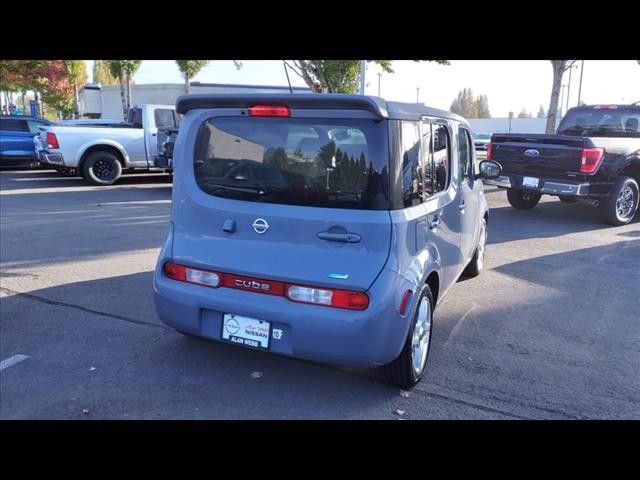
point(602, 123)
point(332, 163)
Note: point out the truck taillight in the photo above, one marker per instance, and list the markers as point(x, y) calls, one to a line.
point(52, 140)
point(489, 150)
point(591, 159)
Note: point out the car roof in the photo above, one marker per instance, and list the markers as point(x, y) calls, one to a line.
point(332, 101)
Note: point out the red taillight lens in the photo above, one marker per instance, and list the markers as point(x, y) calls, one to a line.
point(591, 159)
point(489, 150)
point(52, 140)
point(332, 298)
point(296, 293)
point(269, 111)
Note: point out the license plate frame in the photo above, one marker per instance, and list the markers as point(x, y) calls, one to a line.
point(246, 331)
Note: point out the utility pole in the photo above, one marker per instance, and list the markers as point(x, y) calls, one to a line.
point(363, 68)
point(580, 87)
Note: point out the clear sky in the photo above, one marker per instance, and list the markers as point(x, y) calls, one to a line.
point(509, 84)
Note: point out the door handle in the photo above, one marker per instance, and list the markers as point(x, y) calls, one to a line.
point(462, 207)
point(339, 237)
point(435, 221)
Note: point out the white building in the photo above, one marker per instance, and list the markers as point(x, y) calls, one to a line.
point(95, 101)
point(510, 125)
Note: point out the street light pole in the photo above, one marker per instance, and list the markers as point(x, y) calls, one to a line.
point(379, 76)
point(363, 68)
point(417, 94)
point(569, 86)
point(580, 87)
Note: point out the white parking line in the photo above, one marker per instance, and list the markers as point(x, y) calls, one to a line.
point(12, 361)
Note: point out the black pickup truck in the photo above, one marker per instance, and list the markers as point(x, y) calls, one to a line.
point(594, 158)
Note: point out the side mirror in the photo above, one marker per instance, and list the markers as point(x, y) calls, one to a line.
point(489, 170)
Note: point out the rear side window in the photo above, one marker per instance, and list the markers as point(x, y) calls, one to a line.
point(464, 153)
point(332, 163)
point(165, 118)
point(13, 125)
point(412, 178)
point(436, 157)
point(614, 122)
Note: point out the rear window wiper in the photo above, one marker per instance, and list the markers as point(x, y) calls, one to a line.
point(218, 186)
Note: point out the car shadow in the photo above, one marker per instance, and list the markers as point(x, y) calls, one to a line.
point(26, 179)
point(114, 318)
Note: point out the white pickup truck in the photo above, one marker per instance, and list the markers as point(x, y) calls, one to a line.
point(102, 153)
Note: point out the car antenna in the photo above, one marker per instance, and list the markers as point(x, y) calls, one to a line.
point(284, 64)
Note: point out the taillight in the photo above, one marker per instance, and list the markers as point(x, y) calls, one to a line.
point(191, 275)
point(269, 111)
point(591, 159)
point(332, 298)
point(296, 293)
point(52, 140)
point(489, 150)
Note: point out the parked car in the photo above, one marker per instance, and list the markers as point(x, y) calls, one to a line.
point(101, 153)
point(334, 252)
point(17, 148)
point(481, 140)
point(594, 158)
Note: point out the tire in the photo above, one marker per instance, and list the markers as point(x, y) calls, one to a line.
point(564, 199)
point(401, 371)
point(521, 199)
point(477, 262)
point(101, 168)
point(622, 204)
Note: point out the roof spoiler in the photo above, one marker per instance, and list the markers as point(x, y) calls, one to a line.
point(324, 101)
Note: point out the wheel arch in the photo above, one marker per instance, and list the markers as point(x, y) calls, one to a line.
point(102, 147)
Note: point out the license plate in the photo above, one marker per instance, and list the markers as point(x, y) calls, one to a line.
point(247, 331)
point(530, 182)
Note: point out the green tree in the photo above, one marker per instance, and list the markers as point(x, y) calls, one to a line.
point(524, 114)
point(559, 67)
point(77, 71)
point(334, 76)
point(102, 74)
point(124, 70)
point(541, 112)
point(465, 104)
point(189, 69)
point(482, 106)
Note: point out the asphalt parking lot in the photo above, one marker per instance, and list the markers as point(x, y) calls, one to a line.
point(551, 329)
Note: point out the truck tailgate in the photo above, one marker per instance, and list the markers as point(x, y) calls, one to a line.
point(538, 155)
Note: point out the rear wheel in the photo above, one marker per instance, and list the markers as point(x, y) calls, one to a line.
point(101, 168)
point(407, 370)
point(521, 199)
point(622, 204)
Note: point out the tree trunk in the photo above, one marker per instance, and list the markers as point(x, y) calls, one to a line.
point(555, 96)
point(76, 109)
point(187, 89)
point(128, 91)
point(124, 101)
point(24, 103)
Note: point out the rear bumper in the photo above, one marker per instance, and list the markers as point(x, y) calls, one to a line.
point(545, 186)
point(46, 158)
point(372, 337)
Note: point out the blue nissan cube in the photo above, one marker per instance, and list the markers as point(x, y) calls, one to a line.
point(320, 226)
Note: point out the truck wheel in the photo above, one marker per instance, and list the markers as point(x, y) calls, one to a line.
point(407, 370)
point(622, 204)
point(564, 199)
point(477, 262)
point(522, 200)
point(101, 168)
